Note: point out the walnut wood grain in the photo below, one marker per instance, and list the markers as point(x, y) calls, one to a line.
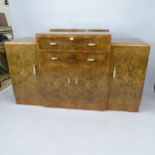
point(125, 90)
point(73, 75)
point(70, 76)
point(21, 59)
point(74, 83)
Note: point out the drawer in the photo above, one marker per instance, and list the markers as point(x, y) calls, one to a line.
point(73, 59)
point(74, 42)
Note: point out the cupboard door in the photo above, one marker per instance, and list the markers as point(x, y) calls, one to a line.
point(90, 81)
point(16, 67)
point(25, 80)
point(69, 80)
point(90, 87)
point(128, 68)
point(55, 79)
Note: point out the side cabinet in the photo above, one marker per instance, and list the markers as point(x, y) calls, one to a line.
point(127, 75)
point(24, 74)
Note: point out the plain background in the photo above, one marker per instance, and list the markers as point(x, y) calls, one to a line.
point(5, 8)
point(30, 130)
point(35, 130)
point(131, 17)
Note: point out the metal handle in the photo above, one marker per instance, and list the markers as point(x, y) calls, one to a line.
point(34, 69)
point(114, 73)
point(91, 44)
point(90, 59)
point(68, 80)
point(53, 44)
point(76, 81)
point(54, 58)
point(71, 38)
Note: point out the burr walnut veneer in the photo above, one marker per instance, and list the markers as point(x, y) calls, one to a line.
point(82, 70)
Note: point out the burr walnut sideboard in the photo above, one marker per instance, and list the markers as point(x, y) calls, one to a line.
point(81, 70)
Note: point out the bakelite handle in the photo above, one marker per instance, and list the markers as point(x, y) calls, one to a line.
point(114, 73)
point(53, 44)
point(54, 58)
point(34, 69)
point(91, 44)
point(91, 59)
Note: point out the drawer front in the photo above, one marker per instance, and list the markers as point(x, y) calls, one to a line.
point(72, 43)
point(73, 59)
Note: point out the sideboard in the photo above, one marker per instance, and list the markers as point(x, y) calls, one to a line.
point(81, 70)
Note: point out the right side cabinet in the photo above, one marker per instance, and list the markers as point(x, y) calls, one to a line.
point(127, 74)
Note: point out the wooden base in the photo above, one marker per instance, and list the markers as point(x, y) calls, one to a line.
point(70, 105)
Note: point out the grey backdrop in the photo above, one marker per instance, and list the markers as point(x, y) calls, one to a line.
point(132, 17)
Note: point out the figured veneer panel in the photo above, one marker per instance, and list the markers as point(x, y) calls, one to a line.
point(26, 85)
point(73, 75)
point(129, 63)
point(72, 84)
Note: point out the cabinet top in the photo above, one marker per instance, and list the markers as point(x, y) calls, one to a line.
point(117, 40)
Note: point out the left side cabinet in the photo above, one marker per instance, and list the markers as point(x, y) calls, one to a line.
point(24, 73)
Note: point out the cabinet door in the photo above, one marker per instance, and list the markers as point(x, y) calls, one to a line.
point(90, 88)
point(74, 80)
point(22, 65)
point(128, 68)
point(55, 79)
point(90, 81)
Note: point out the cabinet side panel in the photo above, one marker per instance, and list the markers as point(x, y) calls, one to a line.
point(23, 69)
point(127, 76)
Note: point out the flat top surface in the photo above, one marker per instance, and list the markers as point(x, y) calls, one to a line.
point(126, 39)
point(116, 40)
point(22, 41)
point(36, 130)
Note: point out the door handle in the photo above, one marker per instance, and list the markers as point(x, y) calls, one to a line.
point(114, 73)
point(76, 81)
point(69, 81)
point(34, 69)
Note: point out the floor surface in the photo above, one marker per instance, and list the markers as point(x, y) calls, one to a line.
point(35, 130)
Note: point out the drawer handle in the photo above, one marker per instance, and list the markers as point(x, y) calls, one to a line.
point(54, 58)
point(91, 44)
point(53, 44)
point(91, 60)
